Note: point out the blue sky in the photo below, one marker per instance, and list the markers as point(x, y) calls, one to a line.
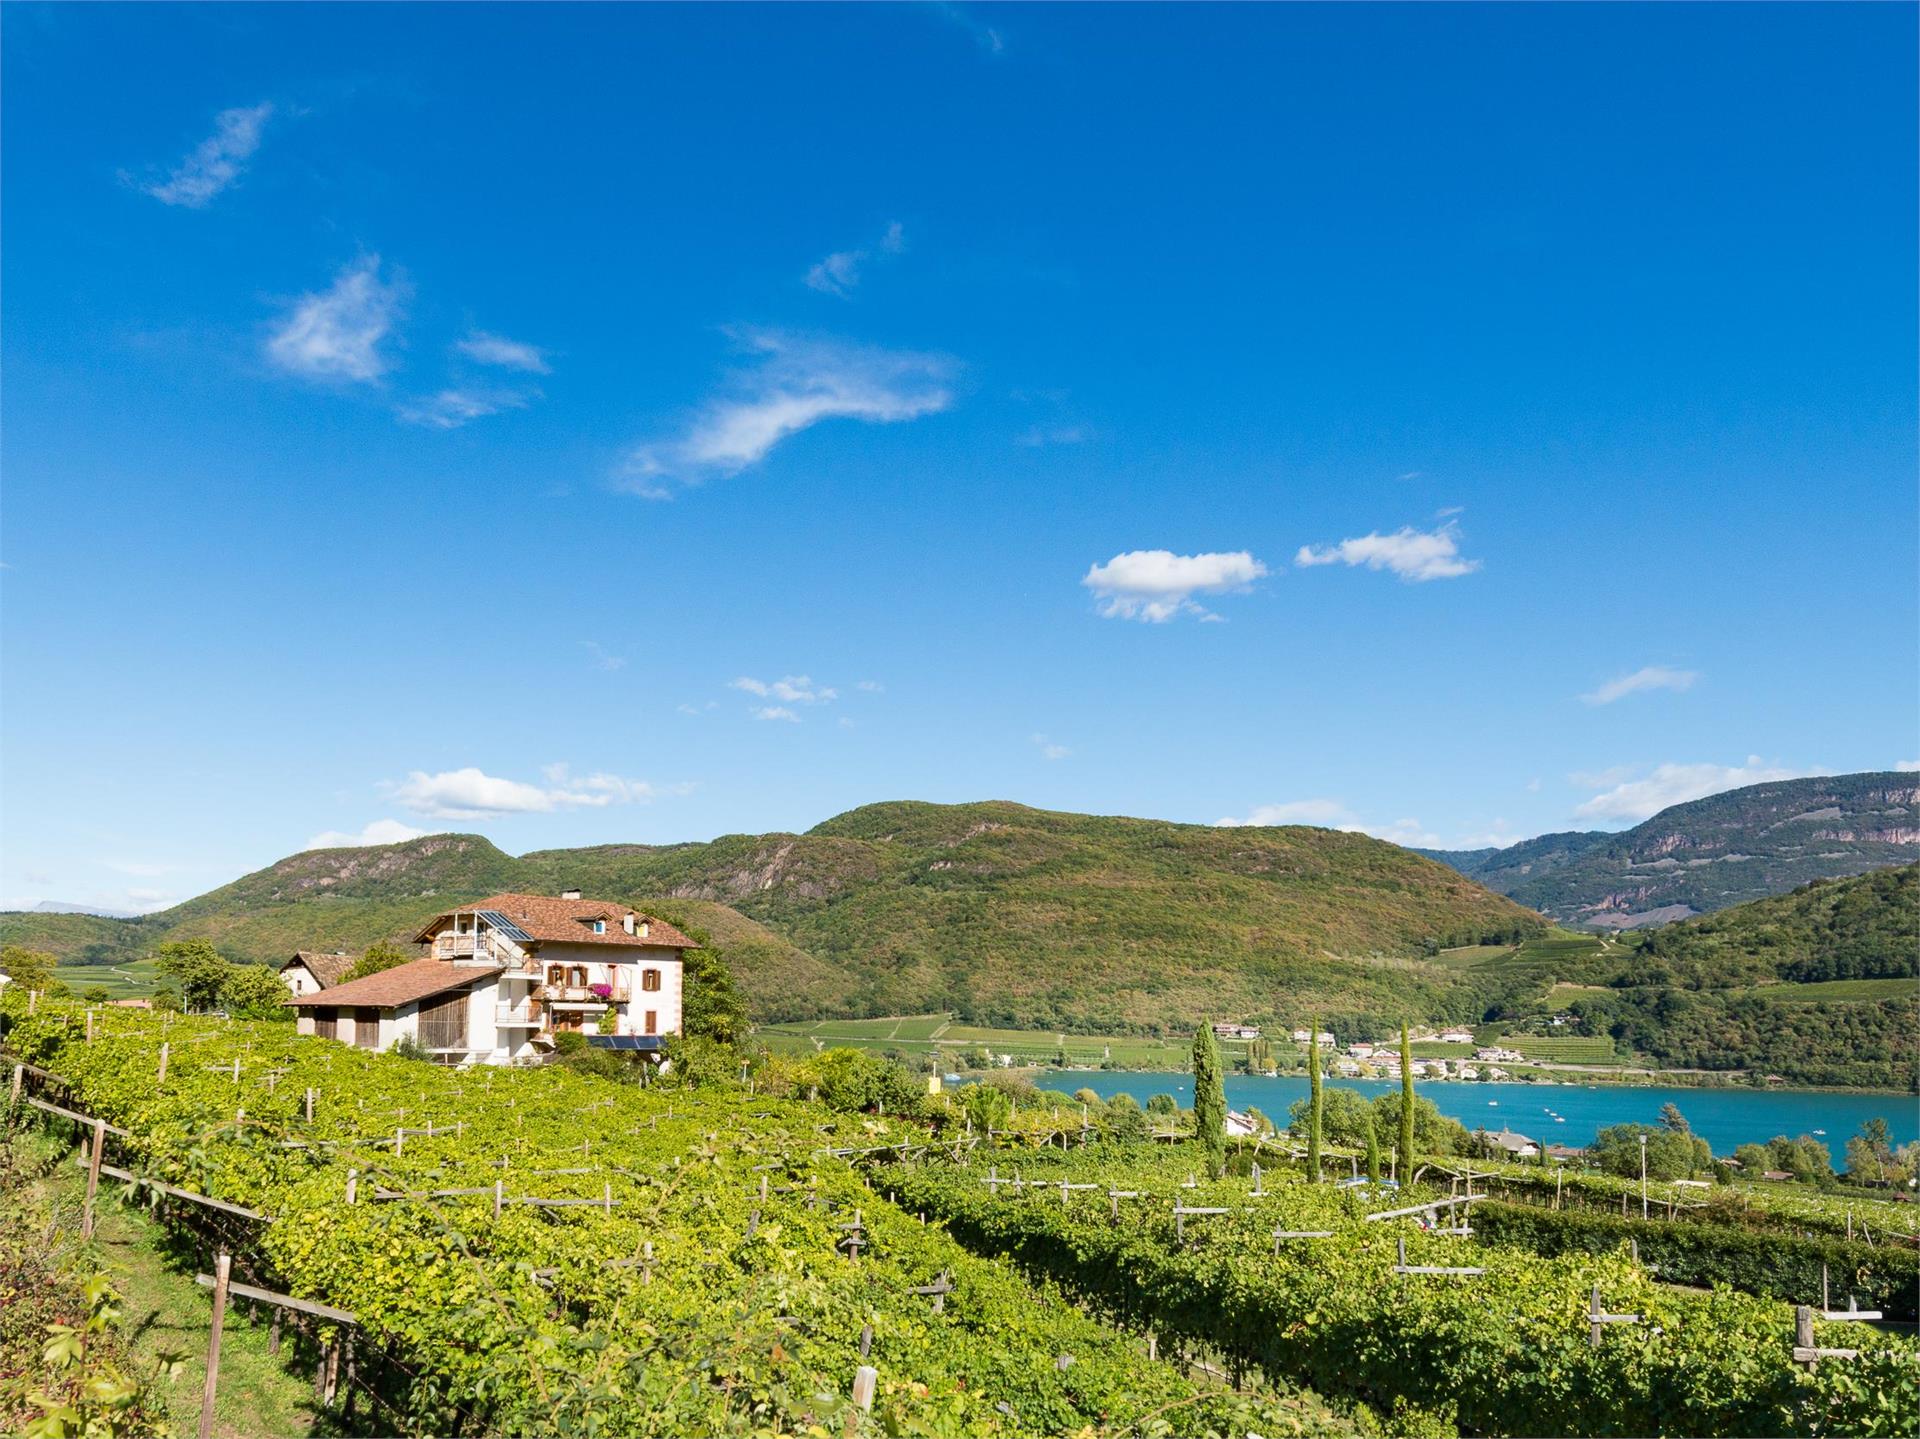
point(591, 424)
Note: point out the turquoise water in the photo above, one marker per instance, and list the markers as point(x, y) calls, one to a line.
point(1722, 1117)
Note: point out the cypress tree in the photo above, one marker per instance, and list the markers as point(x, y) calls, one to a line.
point(1209, 1100)
point(1373, 1151)
point(1313, 1080)
point(1406, 1107)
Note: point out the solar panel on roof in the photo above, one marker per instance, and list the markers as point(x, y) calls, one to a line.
point(624, 1041)
point(503, 926)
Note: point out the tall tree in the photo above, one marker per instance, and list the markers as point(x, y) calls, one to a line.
point(1314, 1101)
point(196, 967)
point(1406, 1107)
point(1373, 1151)
point(384, 955)
point(1209, 1100)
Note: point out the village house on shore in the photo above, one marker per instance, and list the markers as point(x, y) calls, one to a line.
point(503, 978)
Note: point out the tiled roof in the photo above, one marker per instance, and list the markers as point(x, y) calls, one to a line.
point(569, 921)
point(329, 968)
point(402, 984)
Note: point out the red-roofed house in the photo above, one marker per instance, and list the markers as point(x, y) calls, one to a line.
point(505, 975)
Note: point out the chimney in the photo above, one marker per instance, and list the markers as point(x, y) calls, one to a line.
point(629, 921)
point(569, 894)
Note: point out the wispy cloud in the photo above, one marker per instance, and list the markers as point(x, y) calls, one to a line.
point(1907, 766)
point(337, 333)
point(472, 794)
point(381, 831)
point(490, 349)
point(1038, 436)
point(775, 712)
point(1413, 555)
point(1154, 586)
point(602, 660)
point(1631, 795)
point(1332, 814)
point(1652, 677)
point(1050, 750)
point(450, 409)
point(839, 273)
point(872, 687)
point(216, 162)
point(984, 35)
point(794, 384)
point(794, 689)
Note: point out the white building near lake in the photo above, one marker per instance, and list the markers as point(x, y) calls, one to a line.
point(507, 976)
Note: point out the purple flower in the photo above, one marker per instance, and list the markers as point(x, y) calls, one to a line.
point(600, 991)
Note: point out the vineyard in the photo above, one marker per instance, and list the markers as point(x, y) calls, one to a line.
point(511, 1251)
point(541, 1252)
point(1293, 1280)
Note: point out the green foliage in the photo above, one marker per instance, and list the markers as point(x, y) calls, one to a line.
point(1505, 1353)
point(1316, 1102)
point(31, 969)
point(1124, 1120)
point(1209, 1101)
point(65, 1370)
point(712, 1005)
point(1671, 1153)
point(196, 971)
point(1778, 1265)
point(380, 956)
point(1373, 1150)
point(252, 991)
point(1407, 1116)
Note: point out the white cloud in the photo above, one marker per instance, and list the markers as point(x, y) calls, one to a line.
point(795, 689)
point(795, 384)
point(1332, 814)
point(872, 687)
point(839, 273)
point(1533, 786)
point(1907, 766)
point(1641, 797)
point(1412, 554)
point(336, 335)
point(1324, 812)
point(1153, 586)
point(450, 409)
point(601, 659)
point(1651, 677)
point(775, 712)
point(491, 349)
point(381, 831)
point(471, 794)
point(1049, 750)
point(217, 161)
point(1501, 836)
point(1039, 436)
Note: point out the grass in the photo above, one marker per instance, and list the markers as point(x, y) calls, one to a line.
point(1439, 1049)
point(164, 1310)
point(133, 980)
point(1467, 956)
point(1838, 989)
point(1563, 994)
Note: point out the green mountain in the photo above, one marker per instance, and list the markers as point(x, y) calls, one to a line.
point(1708, 854)
point(1820, 986)
point(1005, 914)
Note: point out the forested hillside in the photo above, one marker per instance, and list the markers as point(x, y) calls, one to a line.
point(1817, 987)
point(1004, 914)
point(1708, 854)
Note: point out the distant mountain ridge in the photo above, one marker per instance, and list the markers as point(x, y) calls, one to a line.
point(1708, 854)
point(1003, 913)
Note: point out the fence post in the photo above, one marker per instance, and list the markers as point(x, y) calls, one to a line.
point(93, 1175)
point(499, 1196)
point(1803, 1330)
point(353, 1186)
point(222, 1267)
point(13, 1099)
point(162, 1078)
point(309, 1104)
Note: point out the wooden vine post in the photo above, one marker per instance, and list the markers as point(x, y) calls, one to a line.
point(161, 1078)
point(93, 1175)
point(222, 1271)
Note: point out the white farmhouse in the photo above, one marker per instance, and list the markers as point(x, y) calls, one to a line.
point(312, 970)
point(507, 975)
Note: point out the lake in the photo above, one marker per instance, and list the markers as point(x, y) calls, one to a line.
point(1723, 1117)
